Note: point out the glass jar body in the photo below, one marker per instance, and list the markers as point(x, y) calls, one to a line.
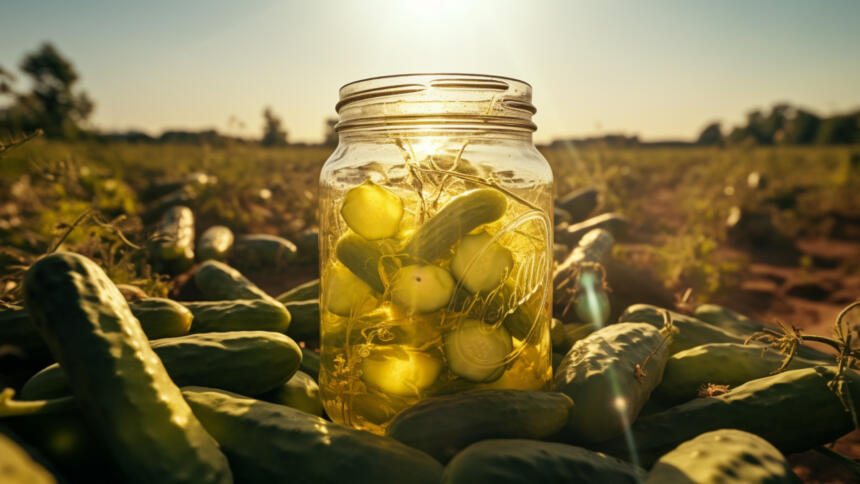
point(468, 310)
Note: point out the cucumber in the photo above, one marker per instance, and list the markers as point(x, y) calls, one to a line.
point(594, 247)
point(599, 374)
point(580, 203)
point(557, 335)
point(258, 251)
point(461, 215)
point(215, 243)
point(67, 441)
point(274, 443)
point(300, 392)
point(246, 362)
point(305, 320)
point(690, 332)
point(615, 223)
point(422, 288)
point(795, 411)
point(161, 317)
point(345, 293)
point(18, 467)
point(519, 461)
point(308, 244)
point(362, 258)
point(727, 319)
point(693, 332)
point(372, 211)
point(477, 351)
point(719, 363)
point(302, 292)
point(131, 292)
point(442, 426)
point(398, 371)
point(124, 390)
point(724, 455)
point(239, 315)
point(218, 281)
point(480, 264)
point(174, 248)
point(591, 307)
point(17, 330)
point(310, 363)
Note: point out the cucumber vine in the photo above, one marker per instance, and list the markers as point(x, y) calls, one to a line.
point(787, 341)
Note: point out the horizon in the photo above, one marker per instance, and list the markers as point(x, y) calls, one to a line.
point(657, 72)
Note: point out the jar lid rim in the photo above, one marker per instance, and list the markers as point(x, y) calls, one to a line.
point(408, 75)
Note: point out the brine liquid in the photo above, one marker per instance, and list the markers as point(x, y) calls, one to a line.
point(382, 358)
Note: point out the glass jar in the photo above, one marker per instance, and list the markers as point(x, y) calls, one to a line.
point(435, 245)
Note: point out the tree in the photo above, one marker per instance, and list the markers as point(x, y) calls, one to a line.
point(273, 134)
point(801, 127)
point(711, 135)
point(838, 130)
point(330, 134)
point(53, 104)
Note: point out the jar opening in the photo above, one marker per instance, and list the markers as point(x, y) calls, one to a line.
point(441, 101)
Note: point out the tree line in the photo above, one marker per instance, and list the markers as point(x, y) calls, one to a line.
point(55, 106)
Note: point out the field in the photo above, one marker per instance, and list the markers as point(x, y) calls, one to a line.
point(771, 232)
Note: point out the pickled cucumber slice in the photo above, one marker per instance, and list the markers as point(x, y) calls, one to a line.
point(400, 372)
point(422, 288)
point(481, 264)
point(372, 211)
point(463, 214)
point(476, 351)
point(345, 292)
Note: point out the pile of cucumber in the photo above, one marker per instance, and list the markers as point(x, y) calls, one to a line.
point(225, 389)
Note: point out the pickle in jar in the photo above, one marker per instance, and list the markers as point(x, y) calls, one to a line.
point(372, 211)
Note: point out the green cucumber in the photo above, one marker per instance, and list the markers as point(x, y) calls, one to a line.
point(477, 351)
point(600, 374)
point(481, 264)
point(161, 317)
point(725, 455)
point(18, 467)
point(580, 203)
point(131, 292)
point(121, 385)
point(795, 411)
point(362, 258)
point(305, 320)
point(442, 426)
point(372, 211)
point(215, 243)
point(218, 281)
point(300, 392)
point(689, 331)
point(557, 335)
point(17, 330)
point(615, 223)
point(398, 371)
point(461, 215)
point(174, 245)
point(720, 363)
point(591, 307)
point(310, 363)
point(302, 292)
point(274, 443)
point(345, 293)
point(727, 319)
point(692, 332)
point(422, 288)
point(257, 251)
point(246, 362)
point(519, 461)
point(238, 315)
point(594, 248)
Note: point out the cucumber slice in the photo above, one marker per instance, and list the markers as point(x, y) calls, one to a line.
point(481, 264)
point(400, 372)
point(476, 351)
point(372, 211)
point(591, 306)
point(345, 292)
point(422, 288)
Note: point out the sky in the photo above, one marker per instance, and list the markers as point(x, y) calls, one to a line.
point(657, 69)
